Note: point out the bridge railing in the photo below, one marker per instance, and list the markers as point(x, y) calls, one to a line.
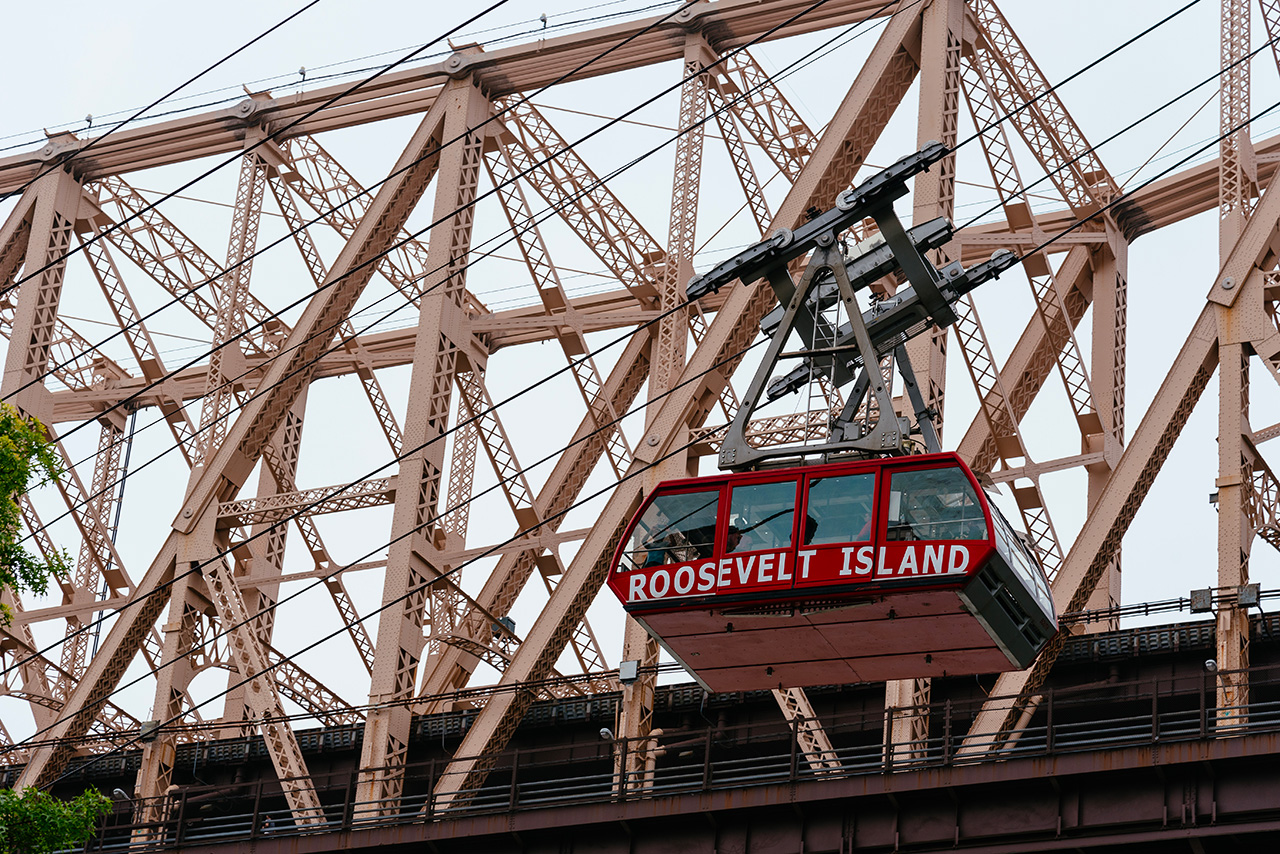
point(1099, 716)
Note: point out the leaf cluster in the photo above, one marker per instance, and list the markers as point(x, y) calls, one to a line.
point(26, 455)
point(35, 822)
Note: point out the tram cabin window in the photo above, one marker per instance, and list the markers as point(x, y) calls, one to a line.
point(839, 509)
point(674, 529)
point(934, 504)
point(1018, 555)
point(761, 516)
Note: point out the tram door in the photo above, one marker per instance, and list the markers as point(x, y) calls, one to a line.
point(838, 540)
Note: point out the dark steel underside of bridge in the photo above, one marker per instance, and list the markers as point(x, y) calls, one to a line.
point(1124, 752)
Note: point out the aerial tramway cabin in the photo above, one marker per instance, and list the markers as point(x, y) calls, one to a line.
point(858, 571)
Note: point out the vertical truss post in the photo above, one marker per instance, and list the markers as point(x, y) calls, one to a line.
point(1235, 465)
point(53, 215)
point(1235, 530)
point(412, 562)
point(1237, 170)
point(1110, 319)
point(935, 193)
point(635, 713)
point(635, 751)
point(445, 612)
point(669, 350)
point(155, 771)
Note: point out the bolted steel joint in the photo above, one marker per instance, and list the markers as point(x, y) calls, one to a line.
point(456, 66)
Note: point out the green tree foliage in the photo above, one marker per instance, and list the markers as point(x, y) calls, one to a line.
point(35, 822)
point(25, 455)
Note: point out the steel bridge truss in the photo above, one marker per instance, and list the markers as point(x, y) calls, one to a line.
point(451, 578)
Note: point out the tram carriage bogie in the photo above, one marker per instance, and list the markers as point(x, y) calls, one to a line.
point(844, 572)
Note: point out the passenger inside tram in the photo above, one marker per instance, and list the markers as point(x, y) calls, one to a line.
point(934, 504)
point(761, 516)
point(675, 529)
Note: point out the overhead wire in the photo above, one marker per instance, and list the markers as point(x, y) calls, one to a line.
point(674, 309)
point(286, 520)
point(1022, 107)
point(126, 401)
point(430, 582)
point(426, 584)
point(621, 339)
point(379, 548)
point(320, 217)
point(819, 52)
point(314, 78)
point(79, 153)
point(1130, 126)
point(541, 461)
point(251, 147)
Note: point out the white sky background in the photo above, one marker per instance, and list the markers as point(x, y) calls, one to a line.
point(109, 59)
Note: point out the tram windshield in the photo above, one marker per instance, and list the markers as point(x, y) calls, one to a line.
point(761, 516)
point(839, 509)
point(674, 529)
point(934, 504)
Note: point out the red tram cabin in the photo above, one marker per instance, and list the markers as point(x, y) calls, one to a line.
point(848, 572)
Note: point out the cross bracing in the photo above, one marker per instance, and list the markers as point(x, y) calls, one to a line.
point(480, 464)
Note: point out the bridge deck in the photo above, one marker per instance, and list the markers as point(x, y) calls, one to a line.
point(1125, 747)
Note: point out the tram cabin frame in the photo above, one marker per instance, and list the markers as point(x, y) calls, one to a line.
point(858, 571)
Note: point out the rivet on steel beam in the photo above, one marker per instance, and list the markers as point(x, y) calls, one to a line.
point(1228, 283)
point(186, 514)
point(653, 440)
